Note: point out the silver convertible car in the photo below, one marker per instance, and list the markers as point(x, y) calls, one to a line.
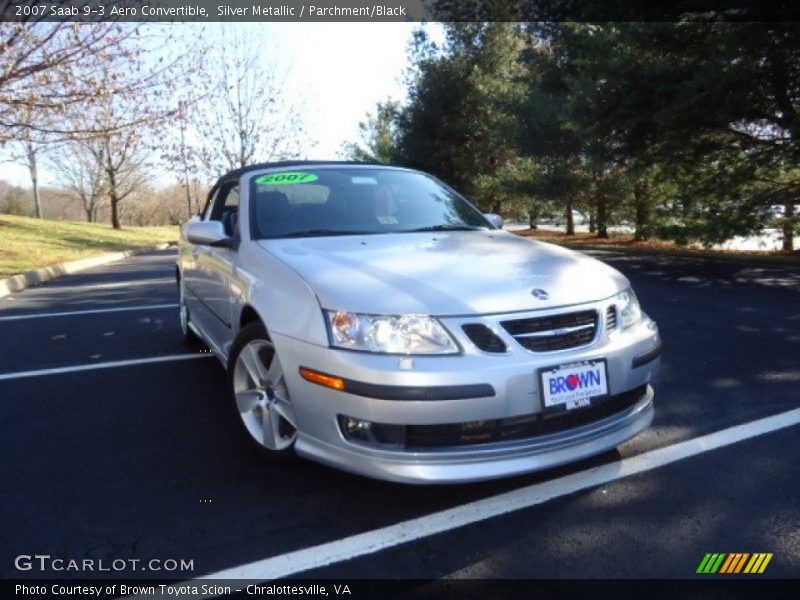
point(372, 319)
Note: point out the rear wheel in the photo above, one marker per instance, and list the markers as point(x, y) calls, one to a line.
point(183, 311)
point(261, 397)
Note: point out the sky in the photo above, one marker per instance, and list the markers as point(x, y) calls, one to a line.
point(337, 71)
point(340, 71)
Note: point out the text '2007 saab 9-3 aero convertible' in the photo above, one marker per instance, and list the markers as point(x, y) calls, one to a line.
point(372, 319)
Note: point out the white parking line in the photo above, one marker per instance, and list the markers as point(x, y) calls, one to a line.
point(104, 365)
point(387, 537)
point(86, 312)
point(91, 287)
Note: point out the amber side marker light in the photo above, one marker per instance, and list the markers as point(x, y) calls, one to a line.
point(322, 379)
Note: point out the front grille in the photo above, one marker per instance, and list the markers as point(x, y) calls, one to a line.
point(484, 338)
point(419, 437)
point(554, 332)
point(611, 318)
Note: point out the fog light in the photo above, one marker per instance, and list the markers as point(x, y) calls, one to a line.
point(375, 434)
point(355, 429)
point(356, 425)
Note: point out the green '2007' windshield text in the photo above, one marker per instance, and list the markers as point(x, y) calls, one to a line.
point(287, 178)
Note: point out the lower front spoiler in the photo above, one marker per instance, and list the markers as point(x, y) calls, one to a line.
point(489, 461)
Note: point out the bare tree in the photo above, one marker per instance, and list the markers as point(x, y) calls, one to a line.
point(156, 206)
point(178, 141)
point(81, 175)
point(46, 70)
point(68, 81)
point(28, 148)
point(181, 157)
point(119, 151)
point(12, 200)
point(32, 151)
point(123, 160)
point(127, 121)
point(246, 117)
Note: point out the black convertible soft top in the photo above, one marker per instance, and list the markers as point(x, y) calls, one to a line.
point(236, 173)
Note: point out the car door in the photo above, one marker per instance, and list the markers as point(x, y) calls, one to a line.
point(191, 274)
point(214, 268)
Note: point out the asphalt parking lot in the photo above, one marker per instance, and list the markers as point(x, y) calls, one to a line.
point(118, 442)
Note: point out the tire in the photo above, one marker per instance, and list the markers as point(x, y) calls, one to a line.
point(189, 336)
point(259, 394)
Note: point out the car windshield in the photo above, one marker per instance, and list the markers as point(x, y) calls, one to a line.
point(325, 201)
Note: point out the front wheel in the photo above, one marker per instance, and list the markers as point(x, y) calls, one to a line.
point(261, 397)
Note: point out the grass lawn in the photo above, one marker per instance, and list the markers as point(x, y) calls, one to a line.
point(27, 243)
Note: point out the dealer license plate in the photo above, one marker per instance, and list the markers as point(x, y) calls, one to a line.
point(574, 385)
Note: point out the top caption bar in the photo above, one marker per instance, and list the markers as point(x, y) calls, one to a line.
point(212, 10)
point(29, 11)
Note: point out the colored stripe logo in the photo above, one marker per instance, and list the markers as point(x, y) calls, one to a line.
point(734, 563)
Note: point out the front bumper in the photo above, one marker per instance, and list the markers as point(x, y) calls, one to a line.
point(514, 392)
point(489, 461)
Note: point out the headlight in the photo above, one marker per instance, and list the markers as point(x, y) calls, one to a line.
point(629, 308)
point(403, 334)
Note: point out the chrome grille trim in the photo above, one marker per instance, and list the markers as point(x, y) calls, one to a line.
point(554, 332)
point(561, 331)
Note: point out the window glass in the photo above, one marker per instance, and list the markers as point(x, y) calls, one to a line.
point(347, 200)
point(232, 199)
point(210, 206)
point(224, 202)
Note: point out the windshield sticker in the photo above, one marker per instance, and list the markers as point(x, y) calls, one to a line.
point(388, 220)
point(288, 178)
point(364, 180)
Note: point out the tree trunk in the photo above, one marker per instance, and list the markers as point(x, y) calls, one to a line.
point(114, 198)
point(113, 193)
point(602, 218)
point(32, 167)
point(196, 198)
point(788, 227)
point(533, 217)
point(642, 205)
point(188, 197)
point(497, 204)
point(592, 219)
point(115, 211)
point(91, 211)
point(185, 165)
point(570, 220)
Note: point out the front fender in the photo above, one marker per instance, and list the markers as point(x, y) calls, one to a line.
point(283, 300)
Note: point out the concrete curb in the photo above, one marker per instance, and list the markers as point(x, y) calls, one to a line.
point(16, 283)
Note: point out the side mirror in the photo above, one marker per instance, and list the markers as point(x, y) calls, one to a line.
point(206, 233)
point(494, 219)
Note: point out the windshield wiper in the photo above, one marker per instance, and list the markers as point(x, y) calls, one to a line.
point(445, 228)
point(321, 232)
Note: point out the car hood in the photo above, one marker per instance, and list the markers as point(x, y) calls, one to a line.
point(450, 273)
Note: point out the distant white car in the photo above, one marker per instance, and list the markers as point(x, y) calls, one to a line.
point(779, 210)
point(578, 218)
point(372, 319)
